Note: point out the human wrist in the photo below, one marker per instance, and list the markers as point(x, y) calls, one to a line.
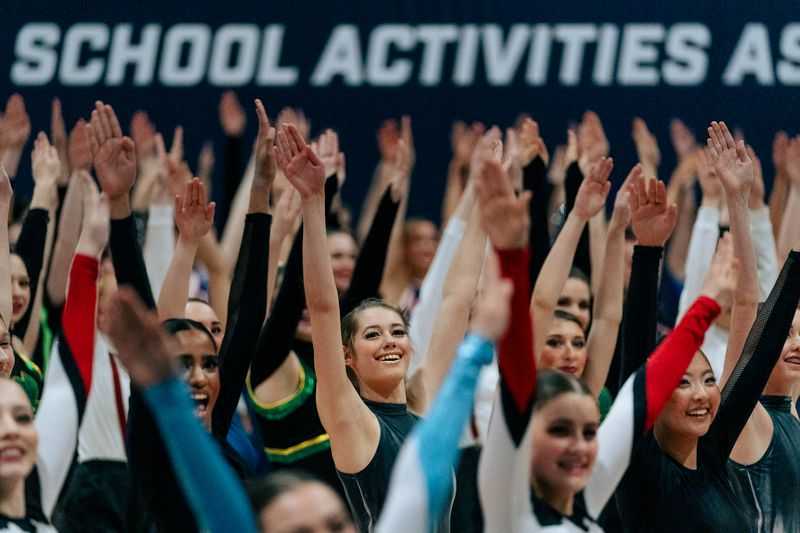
point(120, 207)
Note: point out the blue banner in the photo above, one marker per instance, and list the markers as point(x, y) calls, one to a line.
point(350, 65)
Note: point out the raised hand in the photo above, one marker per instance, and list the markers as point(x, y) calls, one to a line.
point(205, 164)
point(299, 163)
point(231, 115)
point(143, 133)
point(114, 155)
point(592, 141)
point(757, 191)
point(652, 219)
point(398, 171)
point(194, 215)
point(720, 281)
point(144, 348)
point(45, 163)
point(95, 226)
point(621, 216)
point(388, 136)
point(176, 149)
point(504, 216)
point(297, 118)
point(58, 132)
point(407, 136)
point(780, 145)
point(730, 161)
point(265, 148)
point(492, 312)
point(792, 164)
point(646, 146)
point(683, 140)
point(531, 143)
point(327, 149)
point(592, 194)
point(463, 139)
point(709, 183)
point(16, 123)
point(79, 148)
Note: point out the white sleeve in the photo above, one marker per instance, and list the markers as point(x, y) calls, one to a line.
point(425, 312)
point(766, 254)
point(159, 244)
point(702, 245)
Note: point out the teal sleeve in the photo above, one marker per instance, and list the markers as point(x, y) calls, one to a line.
point(210, 486)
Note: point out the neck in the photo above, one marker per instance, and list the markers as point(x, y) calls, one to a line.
point(682, 448)
point(559, 500)
point(395, 395)
point(12, 498)
point(779, 388)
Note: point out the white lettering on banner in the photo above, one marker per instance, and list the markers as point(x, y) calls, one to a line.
point(603, 73)
point(342, 57)
point(270, 72)
point(466, 56)
point(751, 57)
point(575, 38)
point(226, 69)
point(379, 71)
point(396, 54)
point(502, 61)
point(71, 72)
point(36, 59)
point(688, 62)
point(434, 38)
point(539, 55)
point(789, 68)
point(196, 38)
point(124, 52)
point(638, 54)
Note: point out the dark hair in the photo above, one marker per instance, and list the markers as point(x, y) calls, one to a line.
point(197, 301)
point(560, 314)
point(577, 273)
point(263, 491)
point(176, 325)
point(550, 384)
point(350, 326)
point(411, 221)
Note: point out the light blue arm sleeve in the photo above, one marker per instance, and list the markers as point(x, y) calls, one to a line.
point(432, 451)
point(210, 486)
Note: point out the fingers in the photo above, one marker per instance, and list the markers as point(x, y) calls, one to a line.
point(296, 142)
point(742, 153)
point(102, 120)
point(601, 170)
point(161, 149)
point(263, 120)
point(726, 135)
point(210, 210)
point(176, 150)
point(111, 118)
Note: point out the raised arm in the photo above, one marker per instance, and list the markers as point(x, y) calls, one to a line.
point(735, 170)
point(607, 313)
point(36, 231)
point(5, 250)
point(505, 219)
point(69, 225)
point(451, 322)
point(790, 226)
point(420, 479)
point(247, 304)
point(653, 223)
point(194, 217)
point(17, 129)
point(780, 185)
point(533, 154)
point(352, 427)
point(69, 375)
point(590, 200)
point(214, 494)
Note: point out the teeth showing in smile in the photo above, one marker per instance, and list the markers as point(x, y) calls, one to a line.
point(389, 357)
point(698, 412)
point(10, 454)
point(201, 402)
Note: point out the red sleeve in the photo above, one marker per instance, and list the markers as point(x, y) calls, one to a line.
point(515, 349)
point(79, 314)
point(667, 364)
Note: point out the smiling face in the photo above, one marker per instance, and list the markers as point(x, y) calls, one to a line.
point(199, 366)
point(343, 252)
point(379, 350)
point(311, 507)
point(564, 444)
point(564, 348)
point(18, 436)
point(693, 404)
point(20, 288)
point(576, 299)
point(786, 374)
point(205, 314)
